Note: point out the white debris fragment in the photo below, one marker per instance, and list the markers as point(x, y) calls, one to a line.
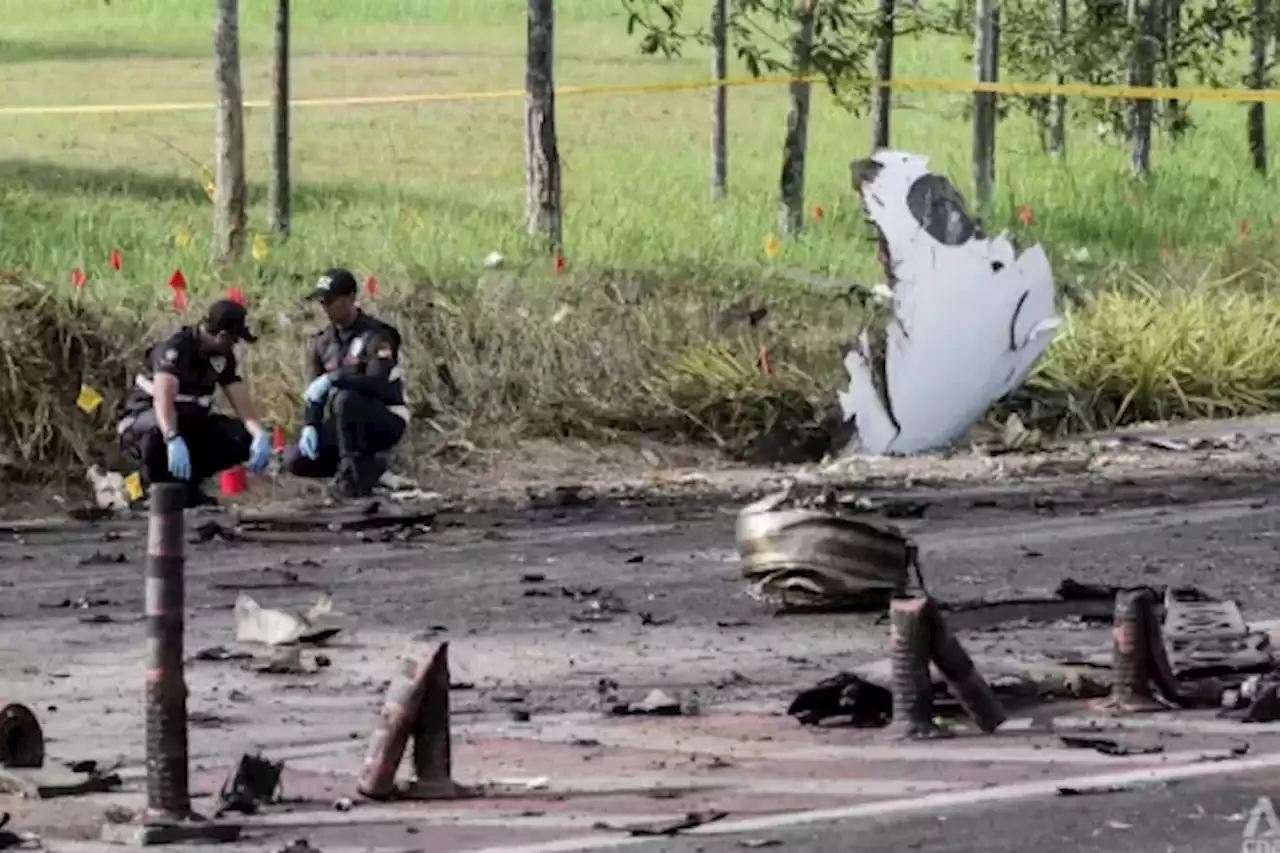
point(258, 624)
point(970, 319)
point(109, 490)
point(493, 261)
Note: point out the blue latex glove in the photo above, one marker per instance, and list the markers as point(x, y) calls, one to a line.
point(179, 458)
point(318, 390)
point(309, 442)
point(259, 452)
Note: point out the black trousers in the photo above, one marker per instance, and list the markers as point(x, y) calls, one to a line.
point(215, 442)
point(355, 426)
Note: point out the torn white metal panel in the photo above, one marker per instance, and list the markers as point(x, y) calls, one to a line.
point(970, 317)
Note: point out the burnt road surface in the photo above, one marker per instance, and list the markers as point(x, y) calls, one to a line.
point(539, 606)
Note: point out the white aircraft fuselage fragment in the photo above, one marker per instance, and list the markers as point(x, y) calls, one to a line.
point(970, 317)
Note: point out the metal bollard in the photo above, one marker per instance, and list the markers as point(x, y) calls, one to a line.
point(910, 641)
point(432, 740)
point(168, 788)
point(967, 684)
point(21, 738)
point(1132, 634)
point(168, 818)
point(398, 723)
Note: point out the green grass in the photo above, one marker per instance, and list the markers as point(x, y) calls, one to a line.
point(418, 194)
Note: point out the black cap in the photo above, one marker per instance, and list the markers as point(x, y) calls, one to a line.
point(227, 315)
point(333, 284)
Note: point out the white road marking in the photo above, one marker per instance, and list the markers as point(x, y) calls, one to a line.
point(926, 803)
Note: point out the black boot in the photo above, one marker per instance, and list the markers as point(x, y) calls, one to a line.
point(197, 498)
point(357, 476)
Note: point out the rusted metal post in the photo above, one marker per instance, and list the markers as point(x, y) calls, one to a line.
point(1132, 634)
point(399, 722)
point(168, 817)
point(21, 738)
point(432, 740)
point(967, 684)
point(168, 790)
point(910, 641)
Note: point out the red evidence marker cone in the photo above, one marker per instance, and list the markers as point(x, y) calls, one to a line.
point(234, 481)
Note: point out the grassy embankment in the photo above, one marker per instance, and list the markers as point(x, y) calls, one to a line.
point(628, 336)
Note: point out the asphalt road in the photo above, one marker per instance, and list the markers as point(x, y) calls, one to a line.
point(546, 603)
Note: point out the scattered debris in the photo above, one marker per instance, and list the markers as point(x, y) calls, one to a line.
point(655, 704)
point(54, 782)
point(283, 579)
point(118, 815)
point(110, 491)
point(255, 781)
point(692, 820)
point(759, 843)
point(794, 556)
point(206, 720)
point(220, 653)
point(286, 661)
point(650, 620)
point(1100, 789)
point(299, 846)
point(208, 531)
point(257, 624)
point(569, 496)
point(916, 383)
point(866, 705)
point(102, 558)
point(1108, 747)
point(343, 804)
point(343, 520)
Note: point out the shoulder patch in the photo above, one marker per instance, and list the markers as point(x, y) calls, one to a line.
point(218, 363)
point(170, 356)
point(384, 351)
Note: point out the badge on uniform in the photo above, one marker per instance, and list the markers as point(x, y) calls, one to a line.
point(357, 347)
point(170, 356)
point(384, 351)
point(218, 363)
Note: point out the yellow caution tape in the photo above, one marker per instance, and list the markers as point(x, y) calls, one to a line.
point(904, 84)
point(133, 487)
point(88, 400)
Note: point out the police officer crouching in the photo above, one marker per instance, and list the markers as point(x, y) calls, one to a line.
point(355, 406)
point(169, 427)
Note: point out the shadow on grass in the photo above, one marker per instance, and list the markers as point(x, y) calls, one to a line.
point(53, 179)
point(13, 52)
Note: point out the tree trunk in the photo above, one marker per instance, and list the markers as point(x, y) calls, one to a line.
point(1260, 39)
point(1142, 20)
point(719, 99)
point(986, 60)
point(278, 193)
point(229, 219)
point(1173, 110)
point(791, 207)
point(1058, 103)
point(543, 216)
point(882, 96)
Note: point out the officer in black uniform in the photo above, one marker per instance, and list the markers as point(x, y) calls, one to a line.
point(355, 406)
point(169, 427)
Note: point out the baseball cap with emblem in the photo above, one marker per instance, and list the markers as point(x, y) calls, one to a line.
point(333, 284)
point(227, 315)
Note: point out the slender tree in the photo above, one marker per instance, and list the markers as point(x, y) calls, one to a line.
point(278, 194)
point(1260, 41)
point(794, 147)
point(230, 221)
point(986, 60)
point(1143, 20)
point(543, 214)
point(719, 99)
point(882, 98)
